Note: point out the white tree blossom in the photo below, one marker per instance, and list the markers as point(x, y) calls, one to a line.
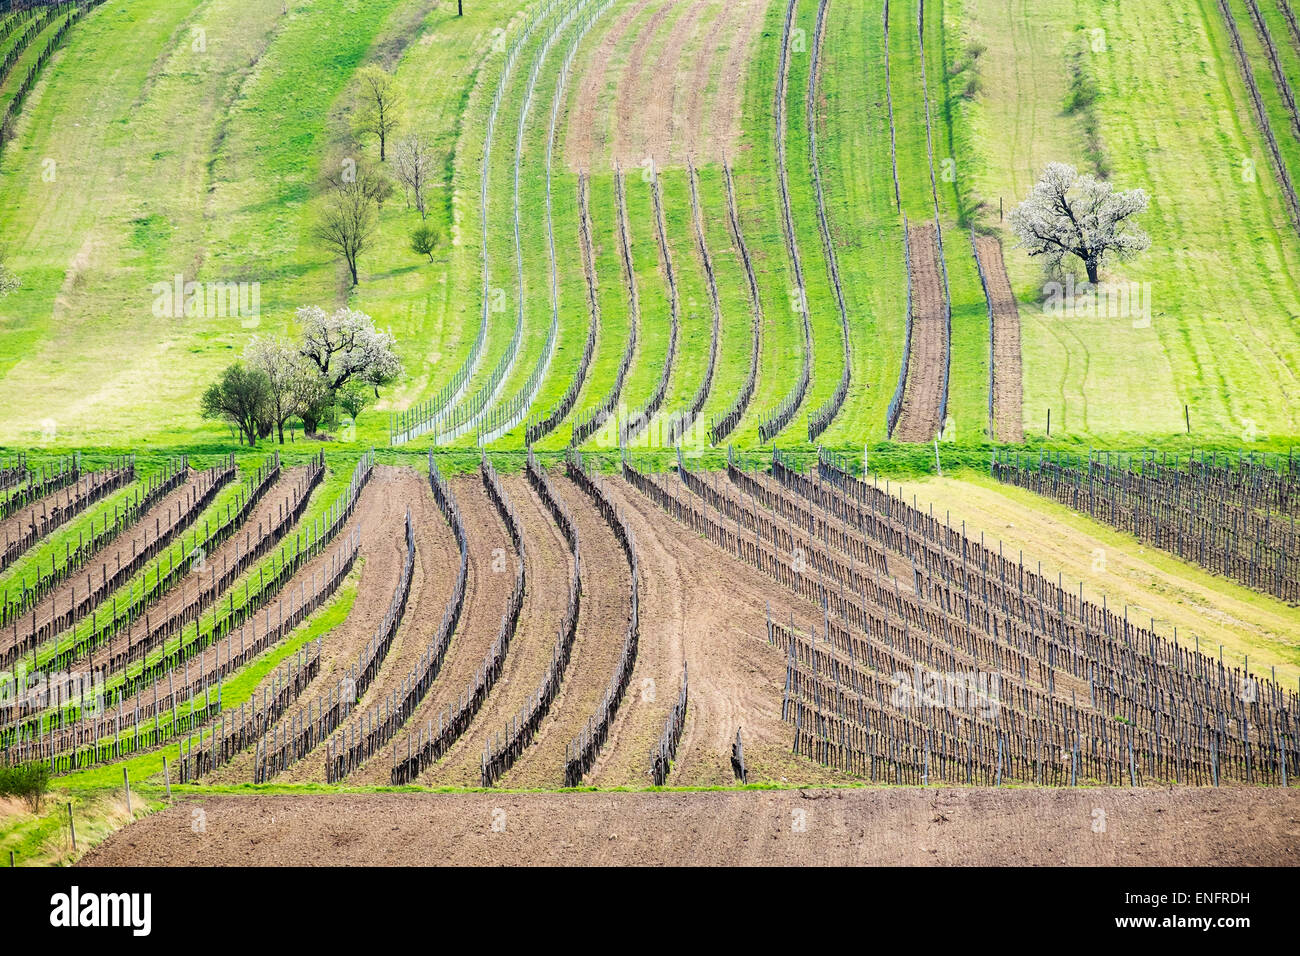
point(345, 346)
point(1072, 215)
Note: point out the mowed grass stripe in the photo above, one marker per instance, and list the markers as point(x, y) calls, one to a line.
point(559, 207)
point(735, 345)
point(968, 383)
point(505, 304)
point(78, 207)
point(759, 202)
point(855, 157)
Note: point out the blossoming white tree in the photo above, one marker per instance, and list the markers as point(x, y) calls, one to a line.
point(1083, 216)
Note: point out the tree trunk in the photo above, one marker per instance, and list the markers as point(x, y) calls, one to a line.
point(280, 426)
point(352, 267)
point(1092, 270)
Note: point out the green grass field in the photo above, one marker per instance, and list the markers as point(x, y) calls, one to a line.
point(99, 211)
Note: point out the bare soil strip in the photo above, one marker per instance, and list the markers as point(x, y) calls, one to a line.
point(659, 118)
point(602, 625)
point(1008, 374)
point(382, 516)
point(630, 132)
point(918, 421)
point(587, 132)
point(684, 100)
point(852, 826)
point(547, 565)
point(702, 605)
point(436, 561)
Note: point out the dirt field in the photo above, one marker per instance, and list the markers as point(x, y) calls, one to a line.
point(914, 827)
point(546, 563)
point(602, 623)
point(1008, 372)
point(665, 82)
point(703, 606)
point(919, 419)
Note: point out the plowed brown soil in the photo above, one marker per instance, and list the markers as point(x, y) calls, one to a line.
point(923, 396)
point(911, 827)
point(601, 629)
point(1008, 374)
point(700, 602)
point(434, 576)
point(664, 84)
point(492, 563)
point(547, 565)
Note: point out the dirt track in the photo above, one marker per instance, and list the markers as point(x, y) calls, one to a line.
point(1008, 376)
point(918, 827)
point(919, 419)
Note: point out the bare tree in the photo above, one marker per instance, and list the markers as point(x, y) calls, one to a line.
point(379, 104)
point(1072, 215)
point(414, 166)
point(346, 347)
point(348, 220)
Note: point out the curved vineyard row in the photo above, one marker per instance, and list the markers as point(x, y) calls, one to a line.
point(785, 410)
point(588, 425)
point(822, 417)
point(428, 415)
point(206, 486)
point(581, 752)
point(725, 424)
point(548, 422)
point(329, 710)
point(501, 752)
point(503, 419)
point(426, 747)
point(53, 515)
point(479, 408)
point(682, 422)
point(637, 421)
point(346, 752)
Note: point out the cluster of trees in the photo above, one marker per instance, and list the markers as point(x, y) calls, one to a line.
point(337, 363)
point(355, 195)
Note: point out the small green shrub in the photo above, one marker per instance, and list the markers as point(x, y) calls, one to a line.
point(30, 781)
